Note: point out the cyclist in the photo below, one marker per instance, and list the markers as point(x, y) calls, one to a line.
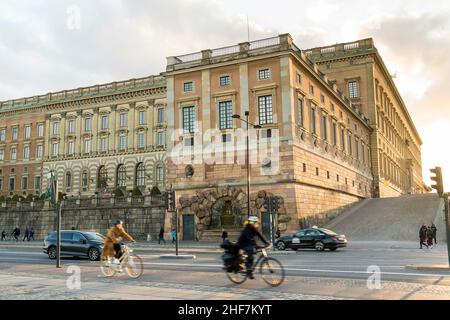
point(112, 246)
point(247, 242)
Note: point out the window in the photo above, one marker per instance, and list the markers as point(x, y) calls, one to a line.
point(102, 177)
point(337, 178)
point(85, 180)
point(104, 144)
point(328, 174)
point(226, 138)
point(26, 152)
point(1, 183)
point(55, 128)
point(317, 171)
point(12, 184)
point(304, 167)
point(87, 146)
point(40, 130)
point(313, 128)
point(123, 120)
point(104, 122)
point(15, 133)
point(264, 74)
point(353, 91)
point(142, 117)
point(357, 148)
point(71, 126)
point(70, 148)
point(141, 175)
point(299, 78)
point(322, 98)
point(188, 86)
point(160, 115)
point(24, 183)
point(37, 183)
point(301, 116)
point(311, 89)
point(27, 132)
point(87, 124)
point(55, 147)
point(39, 151)
point(332, 107)
point(324, 125)
point(121, 176)
point(342, 138)
point(189, 142)
point(68, 181)
point(334, 133)
point(159, 173)
point(122, 142)
point(224, 81)
point(2, 135)
point(349, 144)
point(13, 153)
point(160, 139)
point(141, 140)
point(225, 115)
point(188, 119)
point(2, 154)
point(265, 108)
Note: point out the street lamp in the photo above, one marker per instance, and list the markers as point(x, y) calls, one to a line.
point(247, 153)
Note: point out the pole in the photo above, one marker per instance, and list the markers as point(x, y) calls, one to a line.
point(248, 167)
point(447, 226)
point(176, 232)
point(58, 237)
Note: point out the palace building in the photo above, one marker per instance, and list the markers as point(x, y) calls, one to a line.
point(331, 130)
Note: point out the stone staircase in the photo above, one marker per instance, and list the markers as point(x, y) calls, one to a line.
point(391, 219)
point(216, 235)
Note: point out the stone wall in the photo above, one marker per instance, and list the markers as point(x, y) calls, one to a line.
point(138, 221)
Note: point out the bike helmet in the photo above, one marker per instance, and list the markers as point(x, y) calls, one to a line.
point(253, 219)
point(117, 222)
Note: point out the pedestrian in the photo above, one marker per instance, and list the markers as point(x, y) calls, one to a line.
point(224, 235)
point(27, 234)
point(16, 234)
point(31, 234)
point(278, 234)
point(3, 235)
point(161, 236)
point(433, 227)
point(430, 236)
point(73, 228)
point(422, 236)
point(174, 236)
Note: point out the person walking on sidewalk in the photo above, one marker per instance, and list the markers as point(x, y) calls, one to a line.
point(161, 236)
point(31, 234)
point(224, 235)
point(3, 235)
point(16, 234)
point(430, 236)
point(433, 227)
point(174, 236)
point(27, 234)
point(422, 236)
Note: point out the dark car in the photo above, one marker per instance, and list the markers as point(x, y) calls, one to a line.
point(313, 238)
point(76, 244)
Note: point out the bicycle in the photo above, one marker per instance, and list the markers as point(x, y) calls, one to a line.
point(130, 262)
point(270, 269)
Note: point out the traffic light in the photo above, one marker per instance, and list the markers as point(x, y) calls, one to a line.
point(171, 200)
point(439, 186)
point(164, 199)
point(276, 202)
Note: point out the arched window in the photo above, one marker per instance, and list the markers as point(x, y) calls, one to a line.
point(68, 181)
point(102, 177)
point(85, 180)
point(121, 176)
point(141, 175)
point(159, 175)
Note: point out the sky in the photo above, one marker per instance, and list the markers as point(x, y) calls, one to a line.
point(55, 45)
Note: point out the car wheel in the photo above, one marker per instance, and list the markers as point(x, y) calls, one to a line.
point(333, 249)
point(52, 252)
point(94, 254)
point(319, 246)
point(281, 246)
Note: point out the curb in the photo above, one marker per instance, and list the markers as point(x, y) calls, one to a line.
point(428, 268)
point(173, 256)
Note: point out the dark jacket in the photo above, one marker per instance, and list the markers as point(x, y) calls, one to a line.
point(433, 227)
point(422, 232)
point(161, 233)
point(430, 233)
point(247, 237)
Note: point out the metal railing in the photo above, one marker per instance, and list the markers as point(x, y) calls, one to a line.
point(263, 43)
point(225, 51)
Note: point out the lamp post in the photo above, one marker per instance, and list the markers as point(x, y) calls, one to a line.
point(247, 153)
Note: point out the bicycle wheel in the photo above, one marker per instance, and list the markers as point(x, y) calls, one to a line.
point(133, 266)
point(106, 267)
point(237, 277)
point(272, 271)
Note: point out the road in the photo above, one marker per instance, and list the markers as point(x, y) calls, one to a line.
point(309, 275)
